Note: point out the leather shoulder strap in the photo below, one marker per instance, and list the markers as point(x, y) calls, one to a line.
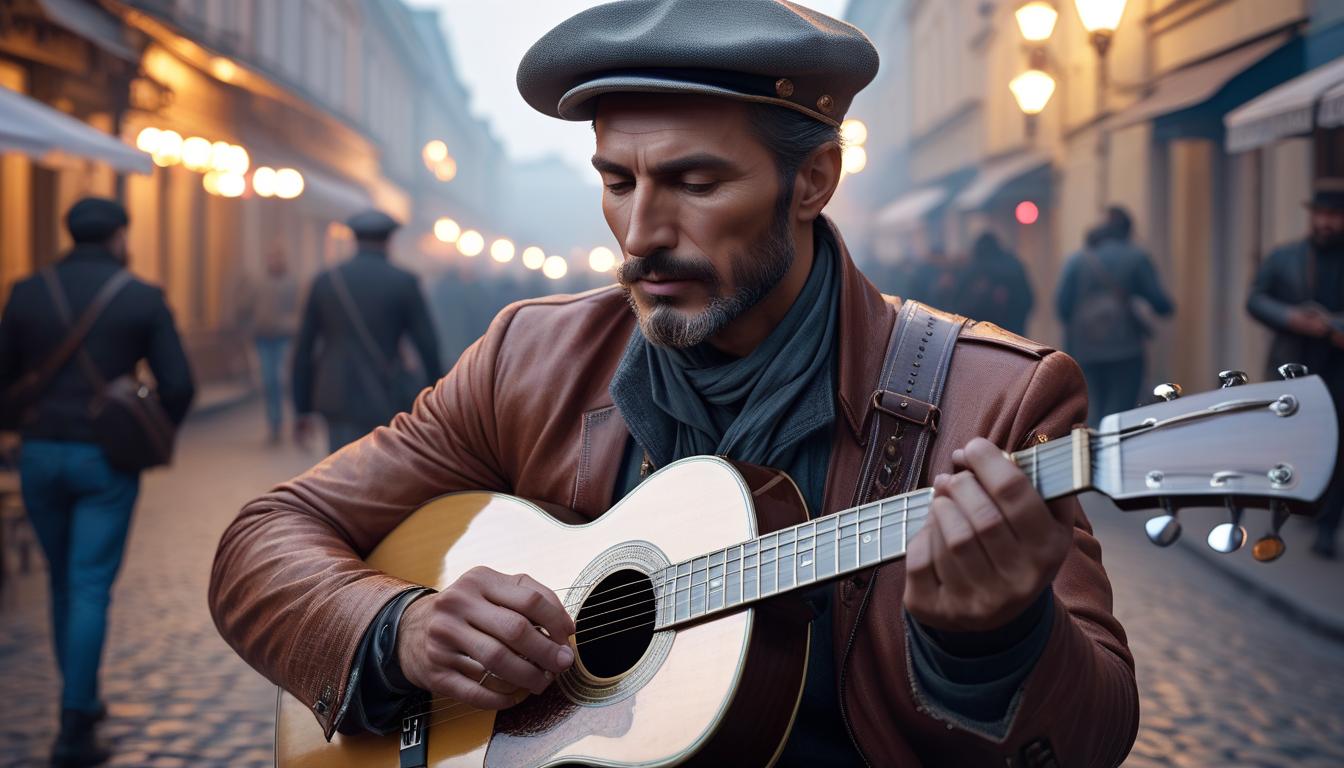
point(357, 320)
point(36, 380)
point(905, 405)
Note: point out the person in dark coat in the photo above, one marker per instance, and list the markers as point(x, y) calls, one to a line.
point(347, 361)
point(1298, 293)
point(1095, 301)
point(79, 505)
point(994, 286)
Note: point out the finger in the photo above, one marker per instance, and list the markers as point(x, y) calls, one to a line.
point(919, 561)
point(557, 622)
point(962, 562)
point(958, 459)
point(474, 670)
point(993, 529)
point(1010, 489)
point(460, 688)
point(502, 661)
point(539, 606)
point(519, 634)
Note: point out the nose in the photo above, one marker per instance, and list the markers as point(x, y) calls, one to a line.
point(652, 222)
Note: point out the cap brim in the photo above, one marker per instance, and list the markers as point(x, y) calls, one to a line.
point(580, 102)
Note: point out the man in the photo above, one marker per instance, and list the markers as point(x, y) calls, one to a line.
point(347, 361)
point(1299, 294)
point(1095, 300)
point(752, 335)
point(79, 505)
point(269, 311)
point(994, 286)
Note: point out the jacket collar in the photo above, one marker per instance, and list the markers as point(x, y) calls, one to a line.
point(866, 319)
point(90, 252)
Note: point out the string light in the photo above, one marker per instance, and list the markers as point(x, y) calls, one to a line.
point(533, 257)
point(471, 243)
point(502, 250)
point(555, 267)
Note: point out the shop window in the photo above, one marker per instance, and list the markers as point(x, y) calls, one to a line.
point(1329, 152)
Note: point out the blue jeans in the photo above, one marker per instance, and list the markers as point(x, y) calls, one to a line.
point(80, 509)
point(271, 354)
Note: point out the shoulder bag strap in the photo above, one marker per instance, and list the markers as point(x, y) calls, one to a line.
point(905, 404)
point(357, 320)
point(74, 338)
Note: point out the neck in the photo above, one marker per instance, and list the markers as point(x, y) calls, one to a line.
point(833, 546)
point(741, 337)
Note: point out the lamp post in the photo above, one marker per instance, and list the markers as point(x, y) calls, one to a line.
point(1033, 88)
point(1101, 18)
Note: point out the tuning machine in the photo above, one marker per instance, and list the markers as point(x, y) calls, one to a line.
point(1270, 547)
point(1230, 536)
point(1164, 530)
point(1167, 391)
point(1232, 378)
point(1292, 371)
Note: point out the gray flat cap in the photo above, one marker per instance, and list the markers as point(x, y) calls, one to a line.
point(372, 225)
point(95, 219)
point(766, 51)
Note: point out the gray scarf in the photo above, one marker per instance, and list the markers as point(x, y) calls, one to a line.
point(758, 408)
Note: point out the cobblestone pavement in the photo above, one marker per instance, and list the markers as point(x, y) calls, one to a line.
point(1224, 681)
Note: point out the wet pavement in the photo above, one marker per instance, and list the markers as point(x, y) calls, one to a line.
point(1225, 681)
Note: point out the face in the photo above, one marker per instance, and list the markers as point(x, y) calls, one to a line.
point(694, 199)
point(1327, 228)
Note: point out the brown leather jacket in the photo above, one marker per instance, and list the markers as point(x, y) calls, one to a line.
point(526, 411)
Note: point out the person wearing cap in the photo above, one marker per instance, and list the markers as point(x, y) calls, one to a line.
point(1298, 293)
point(740, 327)
point(79, 505)
point(347, 357)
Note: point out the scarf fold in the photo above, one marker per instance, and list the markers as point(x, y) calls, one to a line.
point(758, 408)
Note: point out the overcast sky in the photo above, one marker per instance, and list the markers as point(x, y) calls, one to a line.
point(489, 37)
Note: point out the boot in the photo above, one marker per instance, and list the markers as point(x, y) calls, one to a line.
point(77, 745)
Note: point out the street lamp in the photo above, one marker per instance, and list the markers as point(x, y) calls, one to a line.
point(1032, 90)
point(1100, 18)
point(471, 243)
point(554, 267)
point(601, 259)
point(502, 250)
point(1036, 21)
point(533, 257)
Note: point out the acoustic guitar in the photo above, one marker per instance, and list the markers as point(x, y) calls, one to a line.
point(682, 656)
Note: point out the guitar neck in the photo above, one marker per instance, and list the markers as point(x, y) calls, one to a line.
point(834, 546)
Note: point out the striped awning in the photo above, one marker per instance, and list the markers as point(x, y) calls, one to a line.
point(1286, 110)
point(53, 137)
point(907, 211)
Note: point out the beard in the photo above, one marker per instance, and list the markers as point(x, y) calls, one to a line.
point(755, 273)
point(1327, 241)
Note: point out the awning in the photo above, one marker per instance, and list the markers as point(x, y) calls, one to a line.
point(91, 22)
point(1331, 114)
point(332, 196)
point(1193, 85)
point(906, 211)
point(50, 136)
point(997, 175)
point(1287, 110)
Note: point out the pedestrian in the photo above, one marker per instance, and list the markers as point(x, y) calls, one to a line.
point(78, 501)
point(1298, 293)
point(268, 310)
point(740, 328)
point(994, 286)
point(347, 360)
point(1096, 300)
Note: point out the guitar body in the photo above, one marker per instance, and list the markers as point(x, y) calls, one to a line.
point(719, 692)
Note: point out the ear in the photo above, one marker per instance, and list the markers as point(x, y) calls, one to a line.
point(816, 181)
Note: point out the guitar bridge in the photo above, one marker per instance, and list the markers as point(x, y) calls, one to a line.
point(414, 751)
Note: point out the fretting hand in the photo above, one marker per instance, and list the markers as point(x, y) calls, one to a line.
point(477, 641)
point(989, 547)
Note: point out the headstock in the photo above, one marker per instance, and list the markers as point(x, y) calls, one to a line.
point(1269, 445)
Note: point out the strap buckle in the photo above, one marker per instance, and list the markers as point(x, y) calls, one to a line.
point(907, 408)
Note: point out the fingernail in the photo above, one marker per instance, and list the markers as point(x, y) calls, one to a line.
point(565, 657)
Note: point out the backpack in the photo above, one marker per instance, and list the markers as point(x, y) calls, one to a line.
point(1102, 316)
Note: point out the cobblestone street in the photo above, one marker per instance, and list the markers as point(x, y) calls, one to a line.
point(1225, 680)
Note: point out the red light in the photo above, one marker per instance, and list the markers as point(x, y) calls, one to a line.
point(1027, 212)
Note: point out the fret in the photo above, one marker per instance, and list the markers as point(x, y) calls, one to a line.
point(786, 565)
point(888, 529)
point(751, 570)
point(847, 543)
point(716, 580)
point(682, 597)
point(699, 575)
point(661, 592)
point(807, 554)
point(767, 572)
point(905, 522)
point(867, 542)
point(732, 574)
point(1036, 467)
point(827, 558)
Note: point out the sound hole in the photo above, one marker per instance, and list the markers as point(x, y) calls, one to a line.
point(615, 623)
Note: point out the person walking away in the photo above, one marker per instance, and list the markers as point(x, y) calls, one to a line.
point(347, 363)
point(994, 286)
point(1298, 293)
point(1095, 301)
point(79, 503)
point(269, 311)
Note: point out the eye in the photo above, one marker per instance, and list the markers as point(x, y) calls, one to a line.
point(620, 187)
point(699, 188)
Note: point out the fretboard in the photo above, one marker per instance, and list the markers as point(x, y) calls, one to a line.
point(836, 545)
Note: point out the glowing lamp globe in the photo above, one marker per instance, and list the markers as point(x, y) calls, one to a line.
point(471, 243)
point(147, 140)
point(447, 230)
point(555, 267)
point(263, 181)
point(533, 257)
point(1033, 90)
point(288, 183)
point(601, 259)
point(1100, 15)
point(502, 250)
point(1036, 21)
point(854, 132)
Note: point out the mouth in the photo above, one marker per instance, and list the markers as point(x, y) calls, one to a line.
point(666, 286)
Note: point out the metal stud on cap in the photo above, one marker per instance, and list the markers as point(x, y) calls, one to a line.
point(784, 87)
point(825, 104)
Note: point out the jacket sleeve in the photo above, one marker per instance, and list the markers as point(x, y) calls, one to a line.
point(168, 361)
point(1081, 696)
point(305, 346)
point(1264, 302)
point(10, 356)
point(289, 589)
point(1149, 286)
point(1066, 293)
point(422, 331)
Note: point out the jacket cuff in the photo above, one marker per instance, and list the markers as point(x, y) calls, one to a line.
point(377, 690)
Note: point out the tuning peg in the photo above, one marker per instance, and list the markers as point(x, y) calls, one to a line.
point(1230, 536)
point(1293, 370)
point(1232, 378)
point(1270, 547)
point(1163, 530)
point(1167, 391)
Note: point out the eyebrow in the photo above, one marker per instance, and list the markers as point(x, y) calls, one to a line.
point(701, 161)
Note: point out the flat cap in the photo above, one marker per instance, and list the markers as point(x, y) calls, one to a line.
point(764, 51)
point(95, 219)
point(372, 225)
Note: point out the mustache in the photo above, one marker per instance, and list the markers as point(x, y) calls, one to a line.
point(667, 266)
